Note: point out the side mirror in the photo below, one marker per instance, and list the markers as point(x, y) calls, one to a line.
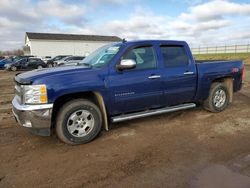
point(126, 64)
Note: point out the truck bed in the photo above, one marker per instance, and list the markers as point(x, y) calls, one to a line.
point(210, 70)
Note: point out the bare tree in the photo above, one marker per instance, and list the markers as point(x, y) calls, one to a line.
point(12, 52)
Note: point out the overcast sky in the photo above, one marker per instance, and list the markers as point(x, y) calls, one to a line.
point(199, 22)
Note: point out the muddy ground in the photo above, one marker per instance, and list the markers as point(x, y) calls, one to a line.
point(192, 148)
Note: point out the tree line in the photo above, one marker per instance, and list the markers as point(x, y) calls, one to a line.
point(12, 52)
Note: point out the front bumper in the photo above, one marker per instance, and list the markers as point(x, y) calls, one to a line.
point(37, 118)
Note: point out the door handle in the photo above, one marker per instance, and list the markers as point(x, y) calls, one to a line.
point(188, 73)
point(154, 76)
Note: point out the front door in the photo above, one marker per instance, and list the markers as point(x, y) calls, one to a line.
point(139, 88)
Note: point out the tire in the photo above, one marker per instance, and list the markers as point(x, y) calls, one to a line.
point(13, 68)
point(39, 67)
point(218, 98)
point(73, 119)
point(50, 65)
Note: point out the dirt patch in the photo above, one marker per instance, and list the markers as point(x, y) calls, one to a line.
point(180, 149)
point(218, 176)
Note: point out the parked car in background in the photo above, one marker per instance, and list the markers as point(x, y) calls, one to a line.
point(12, 59)
point(5, 61)
point(51, 62)
point(26, 64)
point(71, 60)
point(2, 57)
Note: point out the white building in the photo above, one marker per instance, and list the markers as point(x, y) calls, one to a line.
point(50, 44)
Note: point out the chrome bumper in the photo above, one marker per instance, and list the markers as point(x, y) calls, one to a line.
point(35, 117)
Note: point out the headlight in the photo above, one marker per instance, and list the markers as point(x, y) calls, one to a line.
point(35, 94)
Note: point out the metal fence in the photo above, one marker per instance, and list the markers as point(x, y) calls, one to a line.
point(222, 49)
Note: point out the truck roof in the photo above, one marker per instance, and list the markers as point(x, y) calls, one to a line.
point(155, 41)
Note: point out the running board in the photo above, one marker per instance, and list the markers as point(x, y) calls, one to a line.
point(136, 115)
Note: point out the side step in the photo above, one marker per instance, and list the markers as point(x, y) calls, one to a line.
point(136, 115)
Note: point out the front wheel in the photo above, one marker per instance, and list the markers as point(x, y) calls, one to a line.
point(13, 68)
point(218, 98)
point(39, 67)
point(79, 121)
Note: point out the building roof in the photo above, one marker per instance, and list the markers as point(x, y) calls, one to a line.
point(57, 36)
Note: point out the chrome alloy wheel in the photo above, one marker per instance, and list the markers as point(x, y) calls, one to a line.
point(80, 123)
point(219, 98)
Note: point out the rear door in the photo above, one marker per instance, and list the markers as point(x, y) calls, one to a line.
point(23, 63)
point(72, 61)
point(77, 60)
point(67, 60)
point(139, 88)
point(179, 74)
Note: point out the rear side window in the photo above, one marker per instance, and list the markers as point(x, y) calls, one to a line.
point(78, 58)
point(33, 60)
point(69, 58)
point(174, 56)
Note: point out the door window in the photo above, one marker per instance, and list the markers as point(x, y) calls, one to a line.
point(174, 56)
point(69, 59)
point(143, 56)
point(32, 61)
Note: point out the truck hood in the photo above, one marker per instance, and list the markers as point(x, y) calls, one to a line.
point(40, 74)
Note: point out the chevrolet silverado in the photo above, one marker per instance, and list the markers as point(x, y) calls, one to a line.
point(121, 81)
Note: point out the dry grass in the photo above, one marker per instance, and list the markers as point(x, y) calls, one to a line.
point(229, 56)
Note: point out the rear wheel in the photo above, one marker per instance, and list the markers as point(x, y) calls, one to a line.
point(39, 67)
point(218, 98)
point(79, 121)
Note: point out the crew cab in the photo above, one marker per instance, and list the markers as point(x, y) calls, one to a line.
point(135, 79)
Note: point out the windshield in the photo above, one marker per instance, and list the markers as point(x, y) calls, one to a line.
point(20, 61)
point(17, 58)
point(101, 56)
point(8, 59)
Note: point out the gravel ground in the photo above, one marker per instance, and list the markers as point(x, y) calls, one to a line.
point(192, 148)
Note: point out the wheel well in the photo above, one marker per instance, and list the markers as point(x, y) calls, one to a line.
point(228, 81)
point(94, 97)
point(221, 79)
point(59, 102)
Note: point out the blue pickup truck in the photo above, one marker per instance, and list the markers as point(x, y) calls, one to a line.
point(118, 82)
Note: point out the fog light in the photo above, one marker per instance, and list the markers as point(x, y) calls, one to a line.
point(42, 113)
